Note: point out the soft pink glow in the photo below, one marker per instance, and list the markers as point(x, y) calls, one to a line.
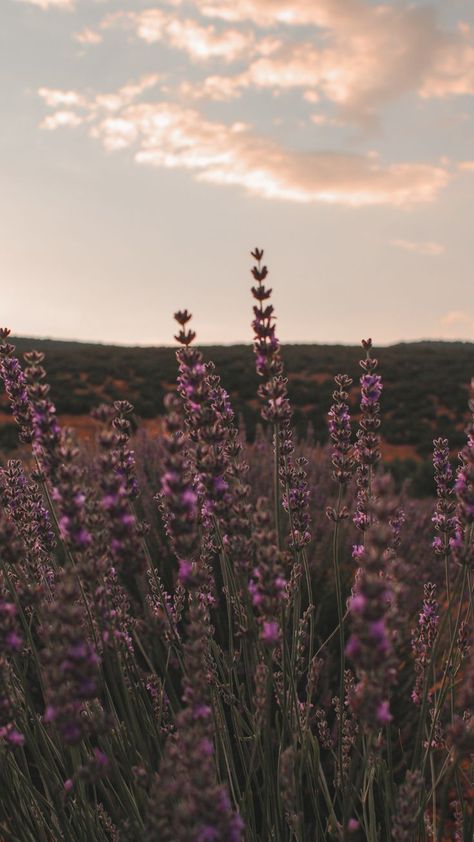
point(168, 135)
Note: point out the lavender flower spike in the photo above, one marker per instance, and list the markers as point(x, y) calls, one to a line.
point(367, 453)
point(277, 409)
point(15, 387)
point(370, 646)
point(339, 423)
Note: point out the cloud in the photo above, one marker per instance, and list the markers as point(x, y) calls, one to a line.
point(290, 12)
point(50, 4)
point(455, 322)
point(200, 43)
point(467, 166)
point(453, 67)
point(320, 119)
point(54, 97)
point(61, 119)
point(426, 248)
point(165, 134)
point(354, 53)
point(88, 36)
point(358, 55)
point(126, 94)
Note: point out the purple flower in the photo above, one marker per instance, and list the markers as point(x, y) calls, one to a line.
point(366, 451)
point(16, 388)
point(71, 665)
point(10, 640)
point(423, 639)
point(185, 571)
point(124, 538)
point(383, 713)
point(353, 825)
point(270, 633)
point(353, 647)
point(267, 586)
point(370, 645)
point(15, 738)
point(277, 409)
point(208, 834)
point(371, 386)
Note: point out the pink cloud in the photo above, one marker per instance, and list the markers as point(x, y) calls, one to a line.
point(50, 4)
point(109, 102)
point(55, 97)
point(428, 248)
point(88, 37)
point(362, 55)
point(291, 12)
point(61, 119)
point(201, 43)
point(453, 69)
point(126, 94)
point(166, 135)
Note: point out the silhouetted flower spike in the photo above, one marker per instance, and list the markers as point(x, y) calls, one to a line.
point(277, 410)
point(184, 337)
point(182, 317)
point(257, 254)
point(260, 273)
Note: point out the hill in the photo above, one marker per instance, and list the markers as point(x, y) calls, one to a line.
point(425, 386)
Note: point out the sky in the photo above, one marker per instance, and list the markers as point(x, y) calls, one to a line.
point(147, 148)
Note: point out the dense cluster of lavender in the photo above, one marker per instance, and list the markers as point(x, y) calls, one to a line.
point(204, 639)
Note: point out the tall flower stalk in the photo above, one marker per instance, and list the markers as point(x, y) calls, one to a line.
point(290, 480)
point(342, 461)
point(370, 646)
point(277, 410)
point(367, 449)
point(188, 804)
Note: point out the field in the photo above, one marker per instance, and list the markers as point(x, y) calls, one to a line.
point(426, 392)
point(236, 590)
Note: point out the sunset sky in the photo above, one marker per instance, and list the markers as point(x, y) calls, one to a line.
point(146, 148)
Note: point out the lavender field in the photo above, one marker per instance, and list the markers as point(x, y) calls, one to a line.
point(210, 639)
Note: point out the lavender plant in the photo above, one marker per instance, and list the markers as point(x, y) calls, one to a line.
point(207, 639)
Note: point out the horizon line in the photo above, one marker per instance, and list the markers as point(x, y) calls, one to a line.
point(238, 343)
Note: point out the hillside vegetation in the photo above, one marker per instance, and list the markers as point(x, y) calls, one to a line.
point(425, 394)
